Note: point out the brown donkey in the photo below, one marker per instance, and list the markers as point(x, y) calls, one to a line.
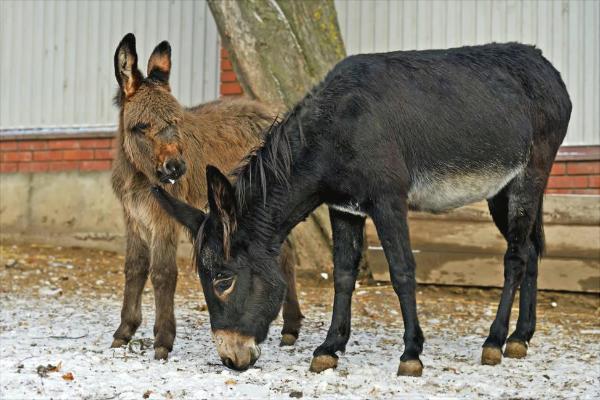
point(161, 142)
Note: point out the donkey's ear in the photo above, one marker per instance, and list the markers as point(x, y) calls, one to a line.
point(159, 64)
point(186, 215)
point(221, 200)
point(126, 70)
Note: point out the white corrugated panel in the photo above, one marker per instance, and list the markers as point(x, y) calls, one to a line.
point(56, 57)
point(567, 31)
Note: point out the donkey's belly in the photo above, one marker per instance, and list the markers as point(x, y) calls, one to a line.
point(436, 192)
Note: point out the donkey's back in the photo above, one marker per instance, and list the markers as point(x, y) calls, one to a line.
point(454, 125)
point(246, 117)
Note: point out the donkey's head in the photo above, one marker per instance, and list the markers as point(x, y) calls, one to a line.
point(242, 284)
point(151, 117)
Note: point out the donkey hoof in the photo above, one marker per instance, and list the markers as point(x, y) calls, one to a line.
point(410, 368)
point(491, 356)
point(161, 353)
point(287, 339)
point(118, 343)
point(515, 349)
point(323, 362)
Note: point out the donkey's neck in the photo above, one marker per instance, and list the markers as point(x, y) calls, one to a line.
point(273, 193)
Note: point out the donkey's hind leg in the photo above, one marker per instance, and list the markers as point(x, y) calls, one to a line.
point(136, 273)
point(515, 211)
point(292, 316)
point(390, 218)
point(348, 238)
point(516, 345)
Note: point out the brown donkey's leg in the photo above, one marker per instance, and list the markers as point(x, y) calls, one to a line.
point(163, 273)
point(136, 273)
point(292, 316)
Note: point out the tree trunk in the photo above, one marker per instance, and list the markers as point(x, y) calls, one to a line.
point(280, 49)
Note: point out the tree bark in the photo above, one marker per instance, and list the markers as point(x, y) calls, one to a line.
point(280, 49)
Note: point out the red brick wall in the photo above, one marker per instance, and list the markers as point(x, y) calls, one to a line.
point(576, 171)
point(49, 155)
point(229, 83)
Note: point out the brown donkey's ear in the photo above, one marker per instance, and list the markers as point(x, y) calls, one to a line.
point(159, 64)
point(221, 200)
point(126, 70)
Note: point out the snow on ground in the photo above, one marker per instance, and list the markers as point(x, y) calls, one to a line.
point(77, 333)
point(61, 306)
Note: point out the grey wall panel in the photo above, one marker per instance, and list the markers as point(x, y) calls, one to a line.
point(56, 57)
point(568, 32)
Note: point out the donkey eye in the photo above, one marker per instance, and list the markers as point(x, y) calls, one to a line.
point(140, 128)
point(221, 283)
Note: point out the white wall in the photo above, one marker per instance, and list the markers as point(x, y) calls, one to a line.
point(567, 31)
point(56, 57)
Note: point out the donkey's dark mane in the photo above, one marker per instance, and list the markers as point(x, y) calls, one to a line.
point(269, 162)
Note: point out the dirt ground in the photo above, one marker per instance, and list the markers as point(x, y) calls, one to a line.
point(61, 305)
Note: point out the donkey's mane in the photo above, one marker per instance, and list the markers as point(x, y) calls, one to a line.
point(269, 162)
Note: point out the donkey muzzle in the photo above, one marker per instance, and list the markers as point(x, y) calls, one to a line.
point(171, 170)
point(237, 351)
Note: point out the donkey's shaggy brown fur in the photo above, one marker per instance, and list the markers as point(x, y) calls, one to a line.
point(159, 141)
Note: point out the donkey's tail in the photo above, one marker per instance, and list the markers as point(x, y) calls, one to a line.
point(537, 234)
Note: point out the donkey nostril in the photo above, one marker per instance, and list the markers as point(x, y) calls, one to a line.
point(171, 166)
point(227, 361)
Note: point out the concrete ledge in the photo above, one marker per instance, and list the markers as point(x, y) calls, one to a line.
point(58, 203)
point(73, 208)
point(469, 269)
point(464, 247)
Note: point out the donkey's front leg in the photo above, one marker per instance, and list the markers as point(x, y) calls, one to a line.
point(163, 274)
point(137, 262)
point(347, 249)
point(390, 218)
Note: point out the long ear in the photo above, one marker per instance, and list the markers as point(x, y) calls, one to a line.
point(159, 64)
point(186, 215)
point(126, 70)
point(221, 200)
